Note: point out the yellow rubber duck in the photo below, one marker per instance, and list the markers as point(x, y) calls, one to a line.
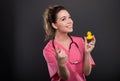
point(89, 36)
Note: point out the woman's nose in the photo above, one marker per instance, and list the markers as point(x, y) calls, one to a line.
point(70, 21)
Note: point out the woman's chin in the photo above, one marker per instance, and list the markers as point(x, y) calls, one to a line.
point(70, 30)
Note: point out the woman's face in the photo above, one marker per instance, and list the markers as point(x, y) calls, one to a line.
point(64, 23)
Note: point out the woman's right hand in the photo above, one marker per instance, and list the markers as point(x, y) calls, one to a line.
point(61, 56)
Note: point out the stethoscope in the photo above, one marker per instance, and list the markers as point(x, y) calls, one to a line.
point(76, 61)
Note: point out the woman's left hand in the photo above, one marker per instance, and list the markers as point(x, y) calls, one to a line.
point(89, 45)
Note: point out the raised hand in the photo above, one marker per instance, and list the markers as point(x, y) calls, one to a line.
point(61, 56)
point(89, 45)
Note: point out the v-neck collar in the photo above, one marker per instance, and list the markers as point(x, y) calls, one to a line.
point(61, 46)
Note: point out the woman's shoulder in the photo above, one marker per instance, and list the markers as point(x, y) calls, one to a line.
point(77, 37)
point(48, 45)
point(79, 40)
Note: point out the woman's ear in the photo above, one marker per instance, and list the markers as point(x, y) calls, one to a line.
point(54, 26)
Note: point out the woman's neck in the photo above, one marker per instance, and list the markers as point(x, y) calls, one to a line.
point(61, 37)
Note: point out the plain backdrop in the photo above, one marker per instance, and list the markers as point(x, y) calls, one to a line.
point(22, 37)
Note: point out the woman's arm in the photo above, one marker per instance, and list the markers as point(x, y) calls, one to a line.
point(87, 65)
point(63, 71)
point(88, 49)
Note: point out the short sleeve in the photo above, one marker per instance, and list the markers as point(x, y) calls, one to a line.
point(49, 55)
point(92, 61)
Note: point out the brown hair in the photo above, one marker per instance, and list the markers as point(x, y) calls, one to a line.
point(50, 16)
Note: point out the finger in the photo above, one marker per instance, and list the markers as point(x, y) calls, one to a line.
point(85, 39)
point(92, 43)
point(94, 39)
point(57, 49)
point(92, 47)
point(62, 52)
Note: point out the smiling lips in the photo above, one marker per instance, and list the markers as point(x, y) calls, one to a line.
point(69, 26)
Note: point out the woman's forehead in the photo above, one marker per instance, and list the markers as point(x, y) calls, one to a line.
point(62, 13)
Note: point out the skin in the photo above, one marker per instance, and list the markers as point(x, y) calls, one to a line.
point(64, 25)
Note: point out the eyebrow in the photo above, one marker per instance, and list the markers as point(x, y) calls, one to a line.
point(65, 16)
point(62, 17)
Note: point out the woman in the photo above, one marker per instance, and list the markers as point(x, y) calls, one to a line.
point(68, 57)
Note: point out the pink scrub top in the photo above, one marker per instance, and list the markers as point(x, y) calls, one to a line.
point(76, 70)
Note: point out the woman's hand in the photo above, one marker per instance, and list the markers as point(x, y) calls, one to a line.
point(89, 45)
point(61, 56)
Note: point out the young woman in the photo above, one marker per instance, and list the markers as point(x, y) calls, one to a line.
point(68, 57)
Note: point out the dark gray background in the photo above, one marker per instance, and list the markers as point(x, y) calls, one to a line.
point(22, 37)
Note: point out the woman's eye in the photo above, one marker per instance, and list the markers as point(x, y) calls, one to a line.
point(70, 17)
point(63, 19)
